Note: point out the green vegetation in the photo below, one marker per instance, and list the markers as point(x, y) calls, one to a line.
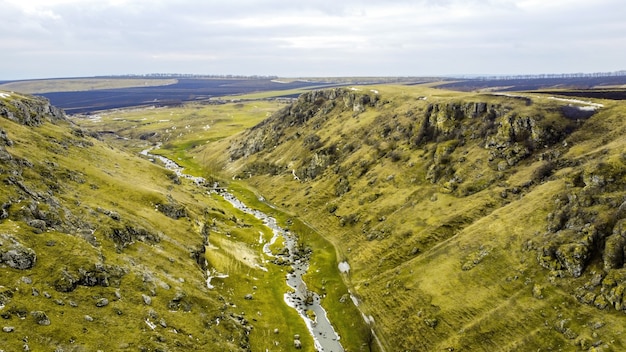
point(469, 221)
point(120, 245)
point(440, 201)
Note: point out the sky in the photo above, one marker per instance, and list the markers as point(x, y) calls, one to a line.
point(294, 38)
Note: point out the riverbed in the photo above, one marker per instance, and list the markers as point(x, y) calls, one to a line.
point(307, 303)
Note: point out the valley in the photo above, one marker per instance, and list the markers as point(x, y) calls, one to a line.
point(463, 220)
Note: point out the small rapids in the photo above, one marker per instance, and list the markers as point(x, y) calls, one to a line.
point(300, 297)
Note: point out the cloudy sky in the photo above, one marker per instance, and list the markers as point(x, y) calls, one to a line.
point(294, 38)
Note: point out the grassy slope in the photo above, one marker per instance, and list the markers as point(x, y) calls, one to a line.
point(410, 274)
point(234, 247)
point(87, 178)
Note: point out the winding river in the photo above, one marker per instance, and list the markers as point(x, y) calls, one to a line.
point(300, 297)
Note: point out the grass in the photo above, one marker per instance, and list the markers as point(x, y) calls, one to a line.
point(181, 129)
point(438, 263)
point(80, 84)
point(435, 266)
point(77, 180)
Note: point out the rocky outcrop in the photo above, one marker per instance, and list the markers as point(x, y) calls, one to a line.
point(575, 230)
point(29, 111)
point(98, 275)
point(40, 317)
point(129, 234)
point(172, 210)
point(314, 105)
point(14, 254)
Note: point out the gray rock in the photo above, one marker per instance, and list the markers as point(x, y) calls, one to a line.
point(4, 138)
point(8, 329)
point(27, 280)
point(248, 296)
point(147, 299)
point(40, 317)
point(297, 344)
point(4, 154)
point(88, 318)
point(19, 257)
point(102, 302)
point(39, 225)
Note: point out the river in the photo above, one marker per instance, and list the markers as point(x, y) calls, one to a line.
point(300, 297)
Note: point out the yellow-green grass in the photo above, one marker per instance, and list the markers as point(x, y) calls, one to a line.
point(323, 275)
point(180, 129)
point(445, 269)
point(88, 178)
point(469, 277)
point(38, 86)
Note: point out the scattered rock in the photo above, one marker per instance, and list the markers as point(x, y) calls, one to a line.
point(88, 318)
point(537, 291)
point(40, 317)
point(248, 296)
point(102, 302)
point(16, 255)
point(432, 322)
point(147, 299)
point(297, 344)
point(8, 329)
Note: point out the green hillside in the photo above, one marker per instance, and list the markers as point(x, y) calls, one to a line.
point(101, 249)
point(469, 221)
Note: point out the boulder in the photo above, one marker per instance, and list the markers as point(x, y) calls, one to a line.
point(147, 299)
point(16, 255)
point(40, 317)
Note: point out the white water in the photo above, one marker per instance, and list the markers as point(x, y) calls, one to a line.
point(322, 331)
point(344, 267)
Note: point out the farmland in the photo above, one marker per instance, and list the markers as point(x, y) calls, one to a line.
point(182, 90)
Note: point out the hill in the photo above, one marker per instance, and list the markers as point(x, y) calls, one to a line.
point(429, 219)
point(103, 249)
point(469, 221)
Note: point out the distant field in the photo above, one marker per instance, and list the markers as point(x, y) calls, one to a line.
point(519, 84)
point(184, 90)
point(82, 84)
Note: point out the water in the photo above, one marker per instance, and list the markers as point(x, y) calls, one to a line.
point(300, 297)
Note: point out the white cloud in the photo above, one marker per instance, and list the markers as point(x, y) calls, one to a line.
point(398, 37)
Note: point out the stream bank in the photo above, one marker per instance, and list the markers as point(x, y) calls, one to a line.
point(306, 302)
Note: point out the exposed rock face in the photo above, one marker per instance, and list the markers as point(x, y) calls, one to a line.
point(99, 275)
point(507, 137)
point(172, 210)
point(129, 234)
point(30, 111)
point(14, 254)
point(309, 105)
